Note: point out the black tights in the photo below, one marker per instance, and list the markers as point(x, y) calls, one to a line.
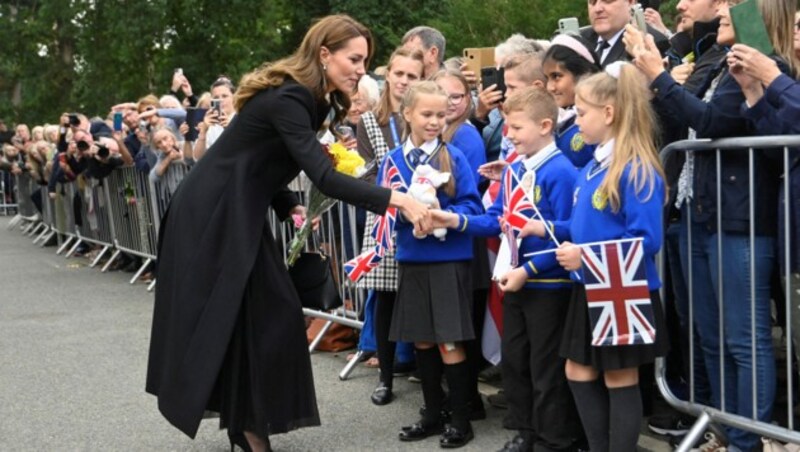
point(383, 321)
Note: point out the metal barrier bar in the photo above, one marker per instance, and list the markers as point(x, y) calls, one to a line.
point(8, 197)
point(708, 414)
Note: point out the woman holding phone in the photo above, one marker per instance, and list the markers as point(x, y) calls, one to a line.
point(217, 117)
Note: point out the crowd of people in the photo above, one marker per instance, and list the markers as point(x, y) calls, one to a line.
point(576, 122)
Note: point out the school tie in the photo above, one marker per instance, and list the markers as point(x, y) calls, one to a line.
point(415, 157)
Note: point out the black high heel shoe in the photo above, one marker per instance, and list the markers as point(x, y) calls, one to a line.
point(238, 439)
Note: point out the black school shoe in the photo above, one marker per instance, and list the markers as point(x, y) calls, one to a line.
point(382, 395)
point(453, 437)
point(419, 431)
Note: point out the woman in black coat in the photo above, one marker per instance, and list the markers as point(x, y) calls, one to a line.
point(228, 332)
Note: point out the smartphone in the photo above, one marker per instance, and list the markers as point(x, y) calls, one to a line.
point(216, 104)
point(477, 58)
point(179, 70)
point(74, 120)
point(637, 17)
point(568, 25)
point(493, 76)
point(143, 125)
point(117, 121)
point(655, 4)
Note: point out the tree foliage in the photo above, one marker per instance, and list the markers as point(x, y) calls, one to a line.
point(85, 55)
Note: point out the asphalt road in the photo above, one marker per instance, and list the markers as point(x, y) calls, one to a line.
point(73, 354)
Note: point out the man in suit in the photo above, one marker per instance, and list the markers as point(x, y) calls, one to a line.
point(608, 19)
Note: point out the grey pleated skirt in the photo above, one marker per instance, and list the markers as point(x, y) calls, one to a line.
point(434, 303)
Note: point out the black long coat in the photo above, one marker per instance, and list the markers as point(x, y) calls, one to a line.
point(209, 243)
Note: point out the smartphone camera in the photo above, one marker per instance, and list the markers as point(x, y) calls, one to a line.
point(216, 104)
point(493, 76)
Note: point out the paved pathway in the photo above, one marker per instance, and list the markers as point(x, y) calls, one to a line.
point(73, 354)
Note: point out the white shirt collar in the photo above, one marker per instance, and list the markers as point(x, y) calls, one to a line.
point(427, 147)
point(539, 157)
point(611, 42)
point(603, 154)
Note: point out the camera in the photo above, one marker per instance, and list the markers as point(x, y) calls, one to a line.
point(74, 120)
point(102, 151)
point(143, 125)
point(82, 145)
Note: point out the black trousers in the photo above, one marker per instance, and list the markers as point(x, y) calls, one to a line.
point(540, 403)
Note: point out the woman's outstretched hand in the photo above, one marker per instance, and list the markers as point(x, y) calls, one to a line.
point(414, 212)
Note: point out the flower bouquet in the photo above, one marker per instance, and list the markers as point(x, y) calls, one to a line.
point(346, 161)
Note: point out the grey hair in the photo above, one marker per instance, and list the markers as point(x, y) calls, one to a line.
point(368, 88)
point(430, 37)
point(517, 44)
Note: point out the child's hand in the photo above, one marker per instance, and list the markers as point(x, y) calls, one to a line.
point(513, 280)
point(493, 170)
point(444, 219)
point(533, 228)
point(569, 256)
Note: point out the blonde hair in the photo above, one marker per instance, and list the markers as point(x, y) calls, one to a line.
point(535, 102)
point(444, 161)
point(384, 109)
point(451, 128)
point(527, 66)
point(633, 128)
point(143, 103)
point(304, 65)
point(779, 21)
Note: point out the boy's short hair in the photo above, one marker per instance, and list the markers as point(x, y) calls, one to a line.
point(537, 103)
point(528, 67)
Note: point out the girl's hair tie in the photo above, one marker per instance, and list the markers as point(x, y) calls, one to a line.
point(615, 68)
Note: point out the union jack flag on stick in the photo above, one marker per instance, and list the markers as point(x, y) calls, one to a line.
point(620, 311)
point(382, 229)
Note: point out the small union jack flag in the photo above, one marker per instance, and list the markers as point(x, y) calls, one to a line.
point(382, 230)
point(517, 205)
point(620, 311)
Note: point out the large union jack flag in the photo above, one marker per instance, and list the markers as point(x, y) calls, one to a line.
point(382, 229)
point(620, 311)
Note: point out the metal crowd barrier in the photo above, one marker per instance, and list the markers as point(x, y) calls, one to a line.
point(8, 196)
point(89, 200)
point(159, 195)
point(64, 216)
point(780, 147)
point(26, 216)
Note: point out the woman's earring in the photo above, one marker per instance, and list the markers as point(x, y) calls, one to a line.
point(324, 67)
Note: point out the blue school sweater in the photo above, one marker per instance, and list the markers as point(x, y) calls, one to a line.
point(469, 142)
point(570, 140)
point(593, 221)
point(555, 177)
point(457, 246)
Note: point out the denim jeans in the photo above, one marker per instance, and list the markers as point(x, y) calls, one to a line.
point(680, 293)
point(737, 352)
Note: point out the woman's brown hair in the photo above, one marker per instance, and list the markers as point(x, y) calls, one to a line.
point(384, 109)
point(304, 65)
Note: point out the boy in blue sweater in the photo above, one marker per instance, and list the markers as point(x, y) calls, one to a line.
point(537, 292)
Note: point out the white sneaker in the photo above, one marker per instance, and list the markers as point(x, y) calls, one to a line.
point(712, 444)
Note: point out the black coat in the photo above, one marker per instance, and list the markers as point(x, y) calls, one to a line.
point(210, 240)
point(617, 52)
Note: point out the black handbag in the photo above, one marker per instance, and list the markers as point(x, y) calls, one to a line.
point(313, 280)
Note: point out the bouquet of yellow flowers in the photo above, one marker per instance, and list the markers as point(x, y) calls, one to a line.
point(345, 161)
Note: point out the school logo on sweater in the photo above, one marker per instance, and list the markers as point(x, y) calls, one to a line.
point(537, 194)
point(577, 143)
point(599, 200)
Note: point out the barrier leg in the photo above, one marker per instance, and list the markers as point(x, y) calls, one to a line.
point(695, 433)
point(39, 232)
point(99, 256)
point(64, 245)
point(351, 365)
point(74, 248)
point(141, 270)
point(34, 228)
point(47, 237)
point(28, 229)
point(110, 261)
point(151, 286)
point(319, 337)
point(11, 224)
